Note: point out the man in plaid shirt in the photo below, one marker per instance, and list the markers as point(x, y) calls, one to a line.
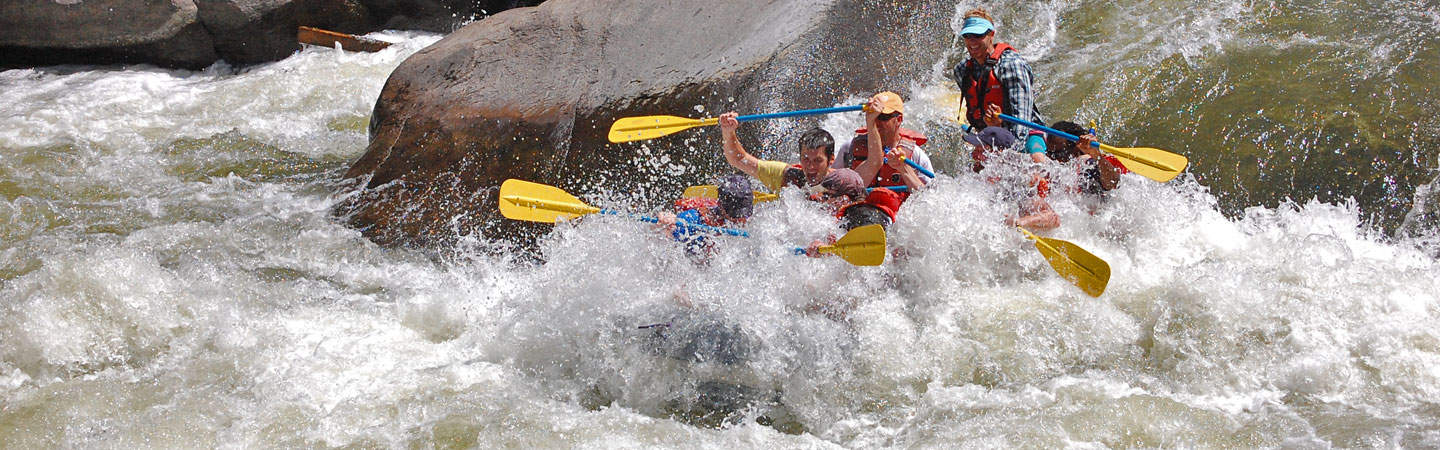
point(995, 79)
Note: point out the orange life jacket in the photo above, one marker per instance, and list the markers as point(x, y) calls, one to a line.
point(887, 176)
point(979, 95)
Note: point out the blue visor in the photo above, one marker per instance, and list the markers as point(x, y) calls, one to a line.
point(977, 25)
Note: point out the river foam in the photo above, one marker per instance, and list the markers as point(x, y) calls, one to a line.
point(170, 276)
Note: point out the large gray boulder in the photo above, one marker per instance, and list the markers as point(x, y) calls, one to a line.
point(164, 32)
point(440, 16)
point(197, 33)
point(530, 93)
point(253, 31)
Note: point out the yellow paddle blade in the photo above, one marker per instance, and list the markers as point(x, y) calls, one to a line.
point(535, 202)
point(631, 129)
point(864, 246)
point(1084, 269)
point(712, 191)
point(1152, 163)
point(702, 191)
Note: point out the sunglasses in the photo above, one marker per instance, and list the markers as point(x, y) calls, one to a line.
point(887, 117)
point(973, 36)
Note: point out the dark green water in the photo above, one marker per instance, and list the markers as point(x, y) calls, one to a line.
point(1271, 101)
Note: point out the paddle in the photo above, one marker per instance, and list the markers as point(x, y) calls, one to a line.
point(1152, 163)
point(863, 246)
point(1085, 270)
point(535, 202)
point(711, 191)
point(629, 129)
point(915, 165)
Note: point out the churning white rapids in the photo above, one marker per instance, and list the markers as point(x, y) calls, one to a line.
point(170, 276)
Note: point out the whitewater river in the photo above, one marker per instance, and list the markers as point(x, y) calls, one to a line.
point(171, 276)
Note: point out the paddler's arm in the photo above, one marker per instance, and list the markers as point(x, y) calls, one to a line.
point(1035, 147)
point(907, 174)
point(1109, 174)
point(1036, 215)
point(813, 250)
point(875, 159)
point(735, 153)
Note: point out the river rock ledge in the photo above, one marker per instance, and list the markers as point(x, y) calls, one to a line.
point(196, 33)
point(530, 93)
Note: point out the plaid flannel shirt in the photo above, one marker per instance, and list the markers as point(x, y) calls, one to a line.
point(1019, 83)
point(1020, 92)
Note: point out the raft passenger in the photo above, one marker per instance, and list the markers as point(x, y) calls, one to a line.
point(1027, 191)
point(994, 79)
point(1098, 172)
point(817, 151)
point(733, 206)
point(885, 113)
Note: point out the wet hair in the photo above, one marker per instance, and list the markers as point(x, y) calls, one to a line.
point(858, 216)
point(1071, 127)
point(981, 13)
point(818, 137)
point(1069, 150)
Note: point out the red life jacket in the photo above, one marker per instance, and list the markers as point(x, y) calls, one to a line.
point(887, 176)
point(979, 95)
point(705, 206)
point(887, 201)
point(1116, 162)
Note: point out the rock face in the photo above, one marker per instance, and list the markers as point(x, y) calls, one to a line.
point(167, 32)
point(252, 31)
point(440, 16)
point(196, 33)
point(531, 93)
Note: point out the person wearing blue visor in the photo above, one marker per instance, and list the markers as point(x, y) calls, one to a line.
point(995, 80)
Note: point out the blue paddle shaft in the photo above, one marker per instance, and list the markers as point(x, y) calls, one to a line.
point(807, 112)
point(893, 188)
point(922, 170)
point(1067, 136)
point(681, 223)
